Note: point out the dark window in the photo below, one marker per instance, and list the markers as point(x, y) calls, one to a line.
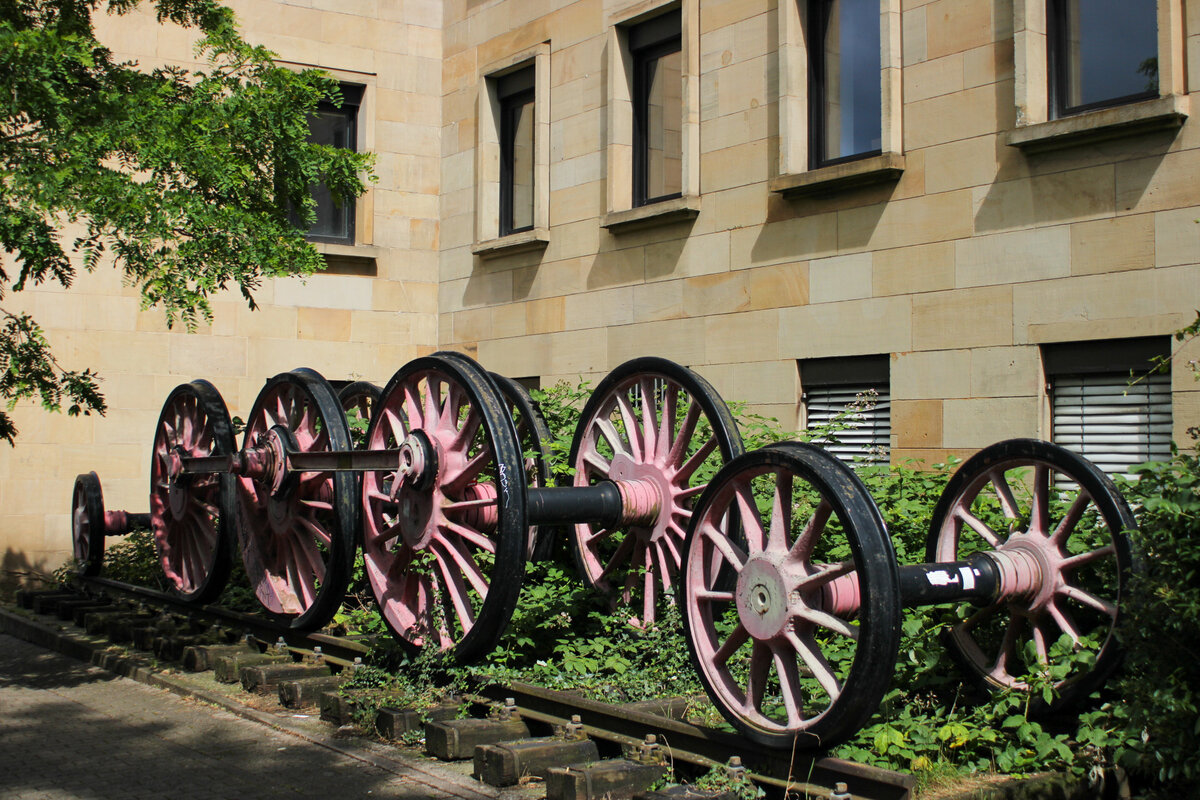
point(1105, 406)
point(336, 126)
point(655, 46)
point(515, 92)
point(1101, 53)
point(844, 80)
point(848, 406)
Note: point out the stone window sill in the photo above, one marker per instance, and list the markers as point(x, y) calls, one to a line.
point(664, 212)
point(883, 168)
point(522, 242)
point(345, 259)
point(1161, 113)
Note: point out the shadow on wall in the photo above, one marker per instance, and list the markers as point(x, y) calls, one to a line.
point(18, 572)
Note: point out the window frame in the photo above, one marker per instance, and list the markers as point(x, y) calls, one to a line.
point(797, 175)
point(491, 238)
point(353, 95)
point(1036, 132)
point(512, 99)
point(818, 17)
point(1058, 69)
point(621, 214)
point(664, 42)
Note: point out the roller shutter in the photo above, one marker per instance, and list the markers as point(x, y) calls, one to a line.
point(1115, 425)
point(867, 433)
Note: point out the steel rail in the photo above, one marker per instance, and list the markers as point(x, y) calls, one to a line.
point(779, 770)
point(337, 650)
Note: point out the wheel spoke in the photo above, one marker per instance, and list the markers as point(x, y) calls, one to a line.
point(732, 553)
point(736, 639)
point(781, 513)
point(1067, 525)
point(1005, 494)
point(1039, 510)
point(689, 468)
point(649, 423)
point(756, 684)
point(752, 526)
point(802, 549)
point(632, 429)
point(1090, 600)
point(1086, 558)
point(476, 538)
point(825, 620)
point(684, 436)
point(810, 652)
point(789, 684)
point(978, 525)
point(667, 425)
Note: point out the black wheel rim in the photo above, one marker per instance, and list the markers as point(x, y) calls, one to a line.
point(191, 516)
point(812, 583)
point(691, 433)
point(446, 557)
point(298, 544)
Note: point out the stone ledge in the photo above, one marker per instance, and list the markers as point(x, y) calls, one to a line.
point(664, 212)
point(1161, 113)
point(883, 168)
point(522, 242)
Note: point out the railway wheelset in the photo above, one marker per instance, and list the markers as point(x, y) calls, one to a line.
point(779, 559)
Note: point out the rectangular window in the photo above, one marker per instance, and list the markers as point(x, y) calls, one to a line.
point(1101, 53)
point(656, 49)
point(516, 94)
point(335, 126)
point(1096, 408)
point(848, 402)
point(845, 92)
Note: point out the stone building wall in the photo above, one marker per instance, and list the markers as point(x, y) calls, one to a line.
point(960, 270)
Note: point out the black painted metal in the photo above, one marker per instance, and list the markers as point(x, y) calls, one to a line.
point(599, 504)
point(931, 584)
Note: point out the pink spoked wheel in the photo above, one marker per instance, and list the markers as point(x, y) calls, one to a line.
point(660, 426)
point(1056, 526)
point(444, 535)
point(191, 514)
point(791, 597)
point(358, 400)
point(87, 524)
point(533, 436)
point(297, 529)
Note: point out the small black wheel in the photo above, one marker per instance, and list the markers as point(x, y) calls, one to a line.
point(788, 540)
point(298, 533)
point(656, 422)
point(445, 536)
point(534, 436)
point(358, 400)
point(87, 524)
point(192, 517)
point(1056, 526)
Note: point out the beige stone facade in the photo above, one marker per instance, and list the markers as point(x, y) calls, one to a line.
point(982, 232)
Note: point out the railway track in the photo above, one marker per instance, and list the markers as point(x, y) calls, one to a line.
point(644, 737)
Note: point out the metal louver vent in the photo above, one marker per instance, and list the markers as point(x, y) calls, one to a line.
point(866, 436)
point(1114, 425)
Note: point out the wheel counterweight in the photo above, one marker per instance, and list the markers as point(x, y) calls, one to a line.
point(444, 536)
point(660, 431)
point(191, 515)
point(297, 529)
point(790, 597)
point(1054, 524)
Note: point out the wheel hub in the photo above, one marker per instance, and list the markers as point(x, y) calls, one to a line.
point(1030, 571)
point(415, 486)
point(647, 495)
point(762, 598)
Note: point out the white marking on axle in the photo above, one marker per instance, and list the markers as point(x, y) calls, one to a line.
point(940, 577)
point(968, 577)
